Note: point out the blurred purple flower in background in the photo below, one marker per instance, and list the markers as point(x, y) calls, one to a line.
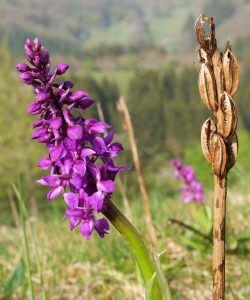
point(191, 189)
point(80, 151)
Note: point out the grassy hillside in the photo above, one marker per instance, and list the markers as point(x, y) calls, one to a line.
point(79, 24)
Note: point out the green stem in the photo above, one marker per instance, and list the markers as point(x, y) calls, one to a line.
point(141, 253)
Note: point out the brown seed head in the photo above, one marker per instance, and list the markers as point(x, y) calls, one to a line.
point(208, 129)
point(207, 87)
point(231, 72)
point(207, 42)
point(226, 116)
point(219, 155)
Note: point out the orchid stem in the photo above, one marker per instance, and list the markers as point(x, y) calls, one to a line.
point(141, 253)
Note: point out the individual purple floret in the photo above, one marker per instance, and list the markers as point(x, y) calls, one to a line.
point(80, 151)
point(191, 189)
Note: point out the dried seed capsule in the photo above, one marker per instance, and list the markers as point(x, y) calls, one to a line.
point(200, 33)
point(208, 43)
point(207, 87)
point(219, 155)
point(203, 56)
point(226, 116)
point(207, 131)
point(231, 72)
point(218, 72)
point(232, 151)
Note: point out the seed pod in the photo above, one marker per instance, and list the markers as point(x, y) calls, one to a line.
point(218, 72)
point(203, 56)
point(231, 72)
point(232, 151)
point(226, 116)
point(207, 87)
point(200, 34)
point(219, 155)
point(207, 131)
point(208, 43)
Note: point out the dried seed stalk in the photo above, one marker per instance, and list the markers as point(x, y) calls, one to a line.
point(218, 81)
point(122, 108)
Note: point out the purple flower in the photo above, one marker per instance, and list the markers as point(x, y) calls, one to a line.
point(191, 189)
point(80, 151)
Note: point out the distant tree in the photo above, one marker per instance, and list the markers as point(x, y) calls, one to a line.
point(147, 111)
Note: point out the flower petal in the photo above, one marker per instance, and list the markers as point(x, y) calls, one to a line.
point(75, 132)
point(115, 149)
point(85, 103)
point(34, 109)
point(102, 226)
point(107, 186)
point(51, 180)
point(87, 228)
point(78, 95)
point(80, 167)
point(45, 163)
point(71, 199)
point(56, 123)
point(39, 132)
point(109, 138)
point(55, 192)
point(98, 145)
point(86, 152)
point(99, 127)
point(37, 123)
point(57, 152)
point(96, 201)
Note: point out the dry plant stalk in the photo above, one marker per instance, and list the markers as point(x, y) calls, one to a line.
point(218, 81)
point(122, 108)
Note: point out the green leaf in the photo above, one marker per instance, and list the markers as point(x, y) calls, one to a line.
point(149, 294)
point(161, 279)
point(15, 280)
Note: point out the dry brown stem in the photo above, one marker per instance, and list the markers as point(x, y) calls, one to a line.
point(122, 108)
point(218, 81)
point(220, 193)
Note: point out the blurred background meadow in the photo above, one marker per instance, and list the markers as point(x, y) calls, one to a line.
point(146, 51)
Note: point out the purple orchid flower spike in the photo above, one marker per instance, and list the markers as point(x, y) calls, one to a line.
point(80, 151)
point(191, 189)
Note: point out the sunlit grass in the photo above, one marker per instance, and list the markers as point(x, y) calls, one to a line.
point(74, 268)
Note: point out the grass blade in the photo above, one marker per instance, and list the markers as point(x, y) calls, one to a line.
point(25, 240)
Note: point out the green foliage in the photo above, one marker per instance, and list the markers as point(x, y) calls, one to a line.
point(220, 10)
point(163, 105)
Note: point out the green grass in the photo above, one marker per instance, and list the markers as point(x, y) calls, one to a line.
point(166, 31)
point(74, 268)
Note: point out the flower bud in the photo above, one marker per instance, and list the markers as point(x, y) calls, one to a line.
point(26, 77)
point(22, 68)
point(37, 44)
point(78, 95)
point(29, 53)
point(61, 69)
